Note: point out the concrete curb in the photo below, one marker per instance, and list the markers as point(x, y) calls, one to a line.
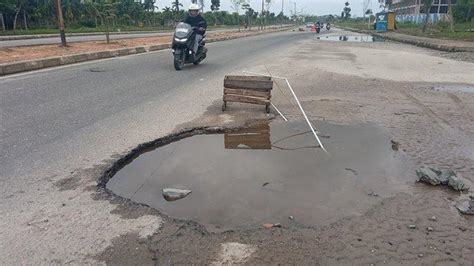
point(424, 43)
point(23, 66)
point(42, 36)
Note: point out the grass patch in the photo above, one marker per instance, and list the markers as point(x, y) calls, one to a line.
point(441, 30)
point(357, 24)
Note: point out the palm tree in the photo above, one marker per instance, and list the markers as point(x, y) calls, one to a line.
point(175, 5)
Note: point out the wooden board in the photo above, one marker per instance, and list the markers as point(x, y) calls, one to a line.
point(246, 99)
point(263, 94)
point(248, 83)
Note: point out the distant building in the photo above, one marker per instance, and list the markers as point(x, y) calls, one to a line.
point(411, 10)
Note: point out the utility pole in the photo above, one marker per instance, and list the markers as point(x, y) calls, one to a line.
point(263, 14)
point(282, 3)
point(296, 17)
point(61, 23)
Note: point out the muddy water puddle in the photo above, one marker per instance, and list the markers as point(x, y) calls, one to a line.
point(463, 88)
point(268, 173)
point(348, 38)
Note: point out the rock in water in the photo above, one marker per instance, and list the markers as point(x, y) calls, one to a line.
point(172, 194)
point(428, 176)
point(467, 207)
point(456, 183)
point(445, 175)
point(267, 225)
point(437, 171)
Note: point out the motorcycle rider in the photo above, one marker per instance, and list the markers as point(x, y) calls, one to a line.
point(198, 22)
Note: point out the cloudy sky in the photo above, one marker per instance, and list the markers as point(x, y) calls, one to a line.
point(311, 7)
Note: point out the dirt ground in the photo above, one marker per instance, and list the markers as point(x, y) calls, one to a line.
point(13, 54)
point(418, 95)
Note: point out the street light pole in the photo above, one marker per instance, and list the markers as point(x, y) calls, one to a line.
point(282, 3)
point(296, 17)
point(61, 23)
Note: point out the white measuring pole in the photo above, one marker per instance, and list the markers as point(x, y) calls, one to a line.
point(284, 118)
point(299, 105)
point(306, 117)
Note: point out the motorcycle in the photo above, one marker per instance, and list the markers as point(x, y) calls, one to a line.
point(328, 26)
point(182, 46)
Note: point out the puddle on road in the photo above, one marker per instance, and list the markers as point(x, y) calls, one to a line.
point(355, 38)
point(266, 174)
point(463, 88)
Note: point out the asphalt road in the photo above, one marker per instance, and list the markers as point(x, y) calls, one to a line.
point(61, 127)
point(42, 112)
point(70, 39)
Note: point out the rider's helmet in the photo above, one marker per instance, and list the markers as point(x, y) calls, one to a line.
point(193, 10)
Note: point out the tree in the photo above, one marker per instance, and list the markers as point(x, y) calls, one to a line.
point(19, 6)
point(426, 8)
point(451, 18)
point(215, 5)
point(346, 12)
point(106, 10)
point(369, 13)
point(59, 14)
point(462, 11)
point(268, 4)
point(2, 20)
point(249, 13)
point(175, 5)
point(236, 7)
point(6, 6)
point(149, 5)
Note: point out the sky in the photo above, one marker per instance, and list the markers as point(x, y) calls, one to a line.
point(310, 7)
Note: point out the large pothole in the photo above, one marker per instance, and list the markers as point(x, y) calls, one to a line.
point(268, 173)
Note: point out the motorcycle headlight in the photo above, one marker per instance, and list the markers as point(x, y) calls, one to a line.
point(180, 40)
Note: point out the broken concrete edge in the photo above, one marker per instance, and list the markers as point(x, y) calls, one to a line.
point(425, 44)
point(29, 65)
point(112, 167)
point(118, 164)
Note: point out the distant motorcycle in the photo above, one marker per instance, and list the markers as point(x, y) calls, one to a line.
point(328, 26)
point(318, 27)
point(182, 46)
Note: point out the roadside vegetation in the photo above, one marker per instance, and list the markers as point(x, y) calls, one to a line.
point(462, 31)
point(460, 26)
point(39, 16)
